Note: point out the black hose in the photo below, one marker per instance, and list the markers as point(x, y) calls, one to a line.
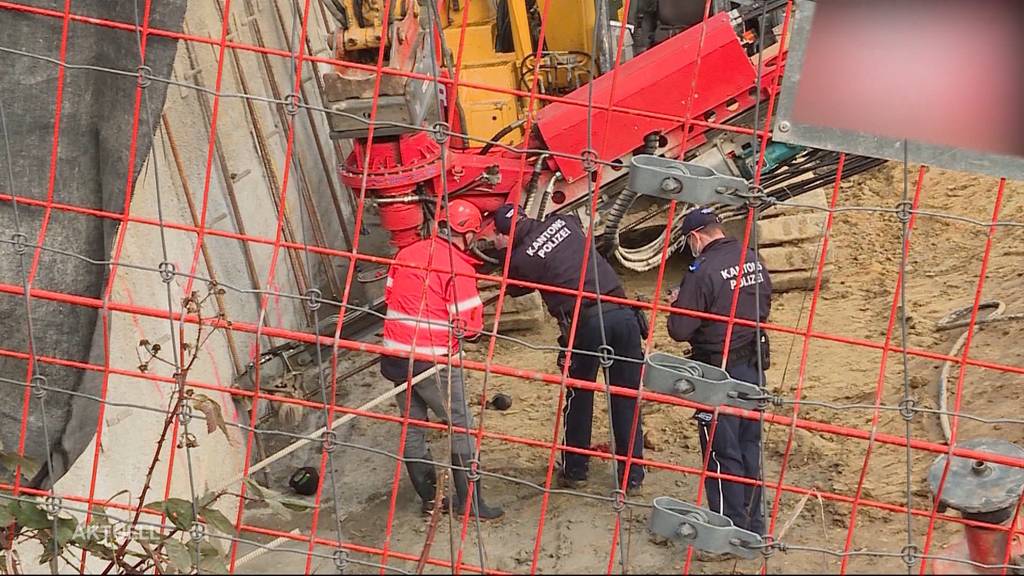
point(501, 134)
point(503, 41)
point(608, 242)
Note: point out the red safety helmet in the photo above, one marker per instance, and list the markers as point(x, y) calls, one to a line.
point(462, 216)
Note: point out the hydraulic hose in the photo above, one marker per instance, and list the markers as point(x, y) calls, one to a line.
point(530, 192)
point(609, 240)
point(547, 194)
point(501, 134)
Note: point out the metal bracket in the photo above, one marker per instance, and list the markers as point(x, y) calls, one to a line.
point(701, 383)
point(701, 528)
point(685, 181)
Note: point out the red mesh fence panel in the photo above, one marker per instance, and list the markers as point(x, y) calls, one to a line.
point(887, 519)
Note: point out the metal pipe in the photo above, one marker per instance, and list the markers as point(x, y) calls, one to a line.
point(218, 297)
point(316, 435)
point(986, 546)
point(229, 188)
point(204, 107)
point(270, 171)
point(304, 191)
point(405, 199)
point(548, 190)
point(329, 169)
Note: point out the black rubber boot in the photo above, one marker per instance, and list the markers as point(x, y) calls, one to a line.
point(424, 480)
point(461, 480)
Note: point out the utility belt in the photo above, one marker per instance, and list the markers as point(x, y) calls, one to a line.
point(589, 311)
point(744, 353)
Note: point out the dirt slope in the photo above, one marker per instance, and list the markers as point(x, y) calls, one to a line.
point(944, 264)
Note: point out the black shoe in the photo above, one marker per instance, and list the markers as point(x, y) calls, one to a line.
point(634, 488)
point(424, 480)
point(570, 483)
point(478, 507)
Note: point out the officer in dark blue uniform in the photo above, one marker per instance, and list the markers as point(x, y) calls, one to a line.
point(708, 287)
point(550, 252)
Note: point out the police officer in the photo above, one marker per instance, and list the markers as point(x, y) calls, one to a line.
point(550, 252)
point(708, 287)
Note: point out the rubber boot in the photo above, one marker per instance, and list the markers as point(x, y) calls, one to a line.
point(424, 480)
point(461, 480)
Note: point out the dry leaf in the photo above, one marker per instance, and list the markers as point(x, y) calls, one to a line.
point(214, 417)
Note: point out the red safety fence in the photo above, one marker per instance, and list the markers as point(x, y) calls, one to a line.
point(916, 543)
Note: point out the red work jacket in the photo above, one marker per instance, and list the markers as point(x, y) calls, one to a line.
point(427, 303)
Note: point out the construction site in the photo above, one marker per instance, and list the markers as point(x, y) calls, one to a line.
point(206, 208)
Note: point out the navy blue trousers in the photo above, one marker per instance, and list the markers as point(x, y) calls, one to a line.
point(622, 331)
point(735, 450)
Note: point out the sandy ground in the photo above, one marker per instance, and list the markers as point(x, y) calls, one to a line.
point(578, 533)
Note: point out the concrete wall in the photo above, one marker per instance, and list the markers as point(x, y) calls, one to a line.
point(238, 193)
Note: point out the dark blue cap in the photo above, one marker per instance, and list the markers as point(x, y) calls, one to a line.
point(503, 217)
point(699, 218)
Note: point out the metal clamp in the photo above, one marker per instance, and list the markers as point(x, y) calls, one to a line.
point(53, 505)
point(588, 158)
point(702, 529)
point(909, 554)
point(38, 385)
point(313, 299)
point(701, 383)
point(440, 132)
point(618, 500)
point(292, 103)
point(167, 272)
point(340, 560)
point(20, 240)
point(904, 210)
point(473, 470)
point(185, 413)
point(197, 532)
point(908, 408)
point(145, 76)
point(329, 440)
point(686, 182)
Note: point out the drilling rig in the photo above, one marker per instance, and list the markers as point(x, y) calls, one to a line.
point(597, 104)
point(413, 141)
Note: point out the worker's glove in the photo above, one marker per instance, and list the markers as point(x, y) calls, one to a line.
point(672, 295)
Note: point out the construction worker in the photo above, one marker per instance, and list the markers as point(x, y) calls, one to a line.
point(433, 303)
point(549, 252)
point(708, 287)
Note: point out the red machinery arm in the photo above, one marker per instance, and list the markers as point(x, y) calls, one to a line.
point(649, 94)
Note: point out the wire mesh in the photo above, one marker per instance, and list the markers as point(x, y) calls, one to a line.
point(184, 317)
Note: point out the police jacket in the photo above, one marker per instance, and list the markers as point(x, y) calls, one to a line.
point(551, 252)
point(430, 289)
point(708, 287)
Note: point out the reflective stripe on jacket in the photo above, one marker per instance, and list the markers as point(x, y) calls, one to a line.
point(427, 303)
